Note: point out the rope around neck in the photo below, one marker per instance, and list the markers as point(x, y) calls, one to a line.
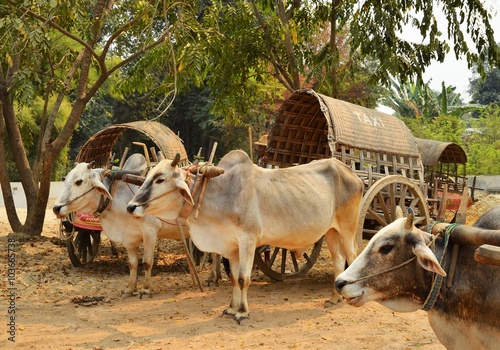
point(438, 279)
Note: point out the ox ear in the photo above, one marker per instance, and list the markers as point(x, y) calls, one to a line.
point(184, 190)
point(426, 258)
point(99, 186)
point(399, 212)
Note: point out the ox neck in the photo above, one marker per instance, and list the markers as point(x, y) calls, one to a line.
point(437, 280)
point(104, 201)
point(197, 190)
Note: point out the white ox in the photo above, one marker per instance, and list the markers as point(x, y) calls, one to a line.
point(397, 269)
point(84, 191)
point(249, 206)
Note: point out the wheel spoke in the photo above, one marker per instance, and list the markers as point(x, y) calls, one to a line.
point(377, 217)
point(273, 257)
point(283, 260)
point(294, 262)
point(392, 202)
point(383, 207)
point(280, 269)
point(402, 199)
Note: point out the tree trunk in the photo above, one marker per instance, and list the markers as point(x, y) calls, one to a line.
point(8, 198)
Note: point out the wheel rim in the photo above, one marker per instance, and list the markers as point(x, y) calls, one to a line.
point(83, 247)
point(378, 208)
point(281, 263)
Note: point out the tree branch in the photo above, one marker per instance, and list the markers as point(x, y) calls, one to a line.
point(59, 29)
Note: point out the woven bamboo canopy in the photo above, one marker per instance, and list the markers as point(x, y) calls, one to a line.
point(444, 164)
point(433, 151)
point(312, 126)
point(98, 148)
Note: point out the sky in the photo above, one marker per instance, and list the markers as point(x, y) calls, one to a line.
point(453, 72)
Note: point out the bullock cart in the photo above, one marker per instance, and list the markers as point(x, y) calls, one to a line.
point(82, 232)
point(378, 147)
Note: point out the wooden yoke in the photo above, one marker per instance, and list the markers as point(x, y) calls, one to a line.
point(488, 240)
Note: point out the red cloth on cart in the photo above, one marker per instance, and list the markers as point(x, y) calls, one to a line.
point(453, 200)
point(87, 221)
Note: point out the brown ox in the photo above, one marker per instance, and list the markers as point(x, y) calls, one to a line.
point(399, 269)
point(249, 206)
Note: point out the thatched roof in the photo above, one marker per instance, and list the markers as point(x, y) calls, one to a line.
point(100, 145)
point(433, 151)
point(308, 124)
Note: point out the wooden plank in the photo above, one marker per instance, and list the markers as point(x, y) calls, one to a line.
point(488, 254)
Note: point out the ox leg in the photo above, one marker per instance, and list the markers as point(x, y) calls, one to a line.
point(215, 274)
point(133, 261)
point(241, 280)
point(236, 296)
point(148, 262)
point(339, 260)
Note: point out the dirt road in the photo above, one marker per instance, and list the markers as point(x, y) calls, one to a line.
point(58, 306)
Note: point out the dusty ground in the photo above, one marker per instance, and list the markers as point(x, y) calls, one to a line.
point(58, 306)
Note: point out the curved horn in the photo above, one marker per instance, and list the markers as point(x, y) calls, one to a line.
point(409, 219)
point(176, 160)
point(91, 164)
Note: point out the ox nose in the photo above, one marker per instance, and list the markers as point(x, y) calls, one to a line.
point(339, 284)
point(56, 209)
point(131, 208)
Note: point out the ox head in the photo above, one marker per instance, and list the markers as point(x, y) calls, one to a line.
point(81, 192)
point(163, 192)
point(387, 271)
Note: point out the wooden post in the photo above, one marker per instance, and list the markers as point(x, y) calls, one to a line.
point(250, 141)
point(192, 267)
point(459, 219)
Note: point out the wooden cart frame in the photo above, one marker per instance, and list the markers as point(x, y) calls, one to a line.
point(377, 146)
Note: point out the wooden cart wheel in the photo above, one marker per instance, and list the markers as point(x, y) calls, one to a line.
point(378, 208)
point(280, 263)
point(83, 247)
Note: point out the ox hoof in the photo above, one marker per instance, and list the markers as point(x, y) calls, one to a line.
point(210, 281)
point(229, 312)
point(126, 295)
point(145, 292)
point(239, 318)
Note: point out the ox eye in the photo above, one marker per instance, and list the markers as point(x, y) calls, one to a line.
point(159, 181)
point(386, 248)
point(78, 182)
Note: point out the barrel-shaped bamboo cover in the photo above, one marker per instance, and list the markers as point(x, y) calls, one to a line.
point(433, 151)
point(310, 125)
point(98, 148)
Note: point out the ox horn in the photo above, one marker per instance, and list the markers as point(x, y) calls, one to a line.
point(176, 160)
point(409, 219)
point(91, 164)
